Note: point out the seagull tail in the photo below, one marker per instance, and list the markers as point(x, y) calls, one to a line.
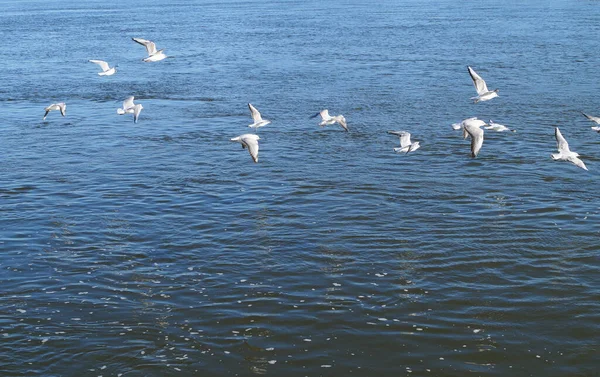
point(120, 111)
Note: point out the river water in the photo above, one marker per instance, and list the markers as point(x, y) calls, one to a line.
point(160, 248)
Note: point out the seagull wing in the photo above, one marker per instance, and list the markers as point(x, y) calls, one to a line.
point(252, 144)
point(405, 139)
point(592, 118)
point(479, 83)
point(128, 103)
point(325, 114)
point(136, 112)
point(102, 64)
point(561, 142)
point(342, 121)
point(150, 46)
point(255, 113)
point(476, 134)
point(577, 162)
point(63, 108)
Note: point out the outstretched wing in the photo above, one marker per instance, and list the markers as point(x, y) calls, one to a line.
point(404, 137)
point(252, 145)
point(592, 118)
point(128, 103)
point(480, 85)
point(136, 112)
point(150, 46)
point(342, 121)
point(255, 114)
point(561, 142)
point(103, 65)
point(476, 134)
point(577, 162)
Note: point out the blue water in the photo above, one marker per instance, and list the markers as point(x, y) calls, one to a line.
point(160, 248)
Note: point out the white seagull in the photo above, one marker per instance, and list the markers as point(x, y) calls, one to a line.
point(258, 120)
point(498, 127)
point(328, 119)
point(153, 54)
point(593, 119)
point(106, 70)
point(249, 141)
point(472, 128)
point(483, 94)
point(56, 106)
point(564, 153)
point(405, 144)
point(130, 108)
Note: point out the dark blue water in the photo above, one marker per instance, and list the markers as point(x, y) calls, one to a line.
point(161, 249)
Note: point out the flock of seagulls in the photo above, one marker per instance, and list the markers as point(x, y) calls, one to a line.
point(472, 127)
point(129, 107)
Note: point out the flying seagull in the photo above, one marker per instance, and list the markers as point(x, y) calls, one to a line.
point(483, 94)
point(106, 70)
point(153, 54)
point(56, 106)
point(405, 144)
point(130, 108)
point(249, 141)
point(564, 153)
point(593, 119)
point(472, 128)
point(328, 119)
point(258, 120)
point(498, 127)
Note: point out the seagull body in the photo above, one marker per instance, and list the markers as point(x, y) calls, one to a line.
point(564, 153)
point(153, 54)
point(249, 141)
point(483, 93)
point(472, 128)
point(328, 119)
point(130, 108)
point(56, 106)
point(258, 120)
point(405, 143)
point(498, 127)
point(106, 70)
point(460, 125)
point(593, 119)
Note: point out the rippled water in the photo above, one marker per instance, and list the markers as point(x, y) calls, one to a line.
point(159, 248)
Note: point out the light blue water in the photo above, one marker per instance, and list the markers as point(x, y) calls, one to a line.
point(159, 248)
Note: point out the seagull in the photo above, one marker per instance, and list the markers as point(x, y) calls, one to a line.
point(328, 119)
point(472, 129)
point(405, 144)
point(130, 108)
point(258, 120)
point(460, 125)
point(483, 94)
point(498, 127)
point(153, 54)
point(564, 153)
point(56, 106)
point(249, 141)
point(593, 119)
point(106, 70)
